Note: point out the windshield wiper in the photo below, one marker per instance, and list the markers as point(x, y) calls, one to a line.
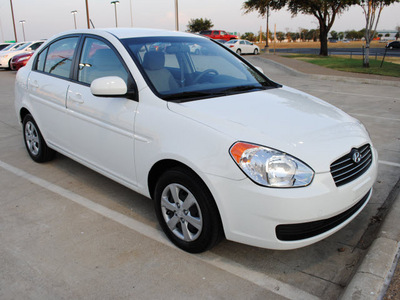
point(178, 97)
point(243, 88)
point(191, 95)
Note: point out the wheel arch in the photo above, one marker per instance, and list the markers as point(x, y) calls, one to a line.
point(22, 113)
point(159, 168)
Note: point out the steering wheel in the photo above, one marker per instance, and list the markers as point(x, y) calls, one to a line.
point(204, 73)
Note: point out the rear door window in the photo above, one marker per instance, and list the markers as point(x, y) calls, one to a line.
point(57, 58)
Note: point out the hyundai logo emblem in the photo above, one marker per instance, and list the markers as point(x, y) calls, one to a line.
point(356, 157)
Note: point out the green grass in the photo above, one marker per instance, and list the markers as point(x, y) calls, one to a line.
point(352, 65)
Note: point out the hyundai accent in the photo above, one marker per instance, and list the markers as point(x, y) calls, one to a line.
point(221, 149)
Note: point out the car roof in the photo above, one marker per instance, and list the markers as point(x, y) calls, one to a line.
point(123, 33)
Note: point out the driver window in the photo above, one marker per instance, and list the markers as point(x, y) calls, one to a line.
point(99, 60)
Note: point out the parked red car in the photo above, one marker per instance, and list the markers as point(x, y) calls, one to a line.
point(218, 35)
point(20, 60)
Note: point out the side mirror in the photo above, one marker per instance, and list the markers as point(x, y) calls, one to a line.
point(109, 86)
point(28, 49)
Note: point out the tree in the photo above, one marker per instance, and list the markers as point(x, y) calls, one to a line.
point(248, 36)
point(263, 7)
point(325, 11)
point(280, 36)
point(372, 11)
point(397, 36)
point(334, 35)
point(312, 35)
point(303, 34)
point(196, 25)
point(294, 36)
point(341, 35)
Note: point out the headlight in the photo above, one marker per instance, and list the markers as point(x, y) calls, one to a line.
point(270, 167)
point(23, 58)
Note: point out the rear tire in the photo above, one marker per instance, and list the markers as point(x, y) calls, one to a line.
point(34, 142)
point(186, 211)
point(239, 52)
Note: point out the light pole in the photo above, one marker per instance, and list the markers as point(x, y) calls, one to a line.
point(12, 14)
point(87, 14)
point(176, 16)
point(74, 12)
point(23, 30)
point(130, 2)
point(115, 7)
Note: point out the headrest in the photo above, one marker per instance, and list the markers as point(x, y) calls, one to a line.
point(154, 60)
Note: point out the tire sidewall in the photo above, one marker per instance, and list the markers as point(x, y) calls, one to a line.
point(211, 224)
point(44, 153)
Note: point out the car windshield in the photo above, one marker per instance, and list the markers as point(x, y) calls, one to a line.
point(18, 47)
point(185, 68)
point(22, 46)
point(8, 47)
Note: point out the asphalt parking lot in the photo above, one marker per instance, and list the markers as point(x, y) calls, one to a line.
point(68, 232)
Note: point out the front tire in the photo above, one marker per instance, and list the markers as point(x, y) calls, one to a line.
point(186, 211)
point(34, 142)
point(255, 51)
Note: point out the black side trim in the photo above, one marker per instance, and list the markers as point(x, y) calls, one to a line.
point(300, 231)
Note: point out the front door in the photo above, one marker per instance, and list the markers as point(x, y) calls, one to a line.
point(101, 131)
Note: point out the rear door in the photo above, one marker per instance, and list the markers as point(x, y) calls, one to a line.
point(48, 84)
point(101, 128)
point(249, 47)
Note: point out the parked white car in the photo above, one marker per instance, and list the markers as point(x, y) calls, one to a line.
point(6, 56)
point(4, 45)
point(242, 47)
point(222, 149)
point(10, 47)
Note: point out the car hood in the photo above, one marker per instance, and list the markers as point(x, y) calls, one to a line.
point(284, 119)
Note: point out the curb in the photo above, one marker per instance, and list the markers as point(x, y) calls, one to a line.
point(295, 72)
point(283, 67)
point(375, 272)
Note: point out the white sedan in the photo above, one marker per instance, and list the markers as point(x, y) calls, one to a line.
point(220, 148)
point(242, 47)
point(6, 56)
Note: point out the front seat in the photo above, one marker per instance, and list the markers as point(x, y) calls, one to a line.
point(162, 79)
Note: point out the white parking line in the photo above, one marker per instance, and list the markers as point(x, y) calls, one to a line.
point(255, 277)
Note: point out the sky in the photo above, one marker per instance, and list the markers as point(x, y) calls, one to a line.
point(44, 18)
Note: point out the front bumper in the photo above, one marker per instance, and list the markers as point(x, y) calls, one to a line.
point(258, 216)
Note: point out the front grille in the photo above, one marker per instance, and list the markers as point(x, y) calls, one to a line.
point(295, 232)
point(347, 168)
